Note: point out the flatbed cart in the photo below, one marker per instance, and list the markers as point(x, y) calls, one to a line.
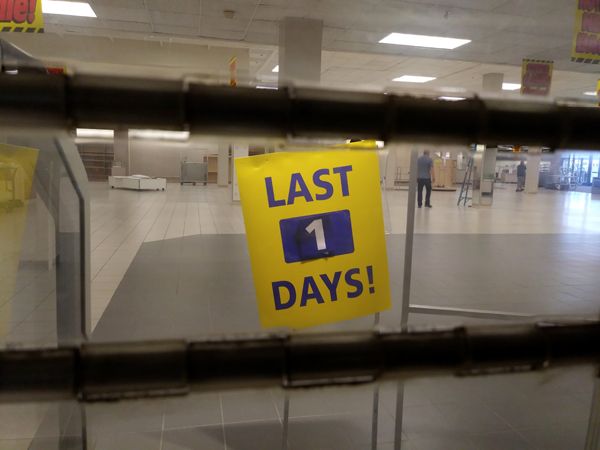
point(194, 172)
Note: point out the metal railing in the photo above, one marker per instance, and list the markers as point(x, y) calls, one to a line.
point(106, 102)
point(108, 371)
point(103, 371)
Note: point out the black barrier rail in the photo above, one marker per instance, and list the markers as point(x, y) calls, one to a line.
point(105, 102)
point(103, 371)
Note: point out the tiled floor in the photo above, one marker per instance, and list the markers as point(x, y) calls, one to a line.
point(123, 220)
point(160, 259)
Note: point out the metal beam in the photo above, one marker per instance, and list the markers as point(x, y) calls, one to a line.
point(98, 371)
point(108, 102)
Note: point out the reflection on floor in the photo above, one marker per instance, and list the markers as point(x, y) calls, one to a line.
point(516, 412)
point(182, 287)
point(123, 220)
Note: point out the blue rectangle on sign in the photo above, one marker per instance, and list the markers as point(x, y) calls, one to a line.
point(317, 236)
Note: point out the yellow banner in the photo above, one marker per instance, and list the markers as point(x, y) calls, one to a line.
point(21, 16)
point(17, 170)
point(314, 226)
point(586, 39)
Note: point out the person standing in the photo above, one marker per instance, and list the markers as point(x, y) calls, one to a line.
point(424, 178)
point(521, 173)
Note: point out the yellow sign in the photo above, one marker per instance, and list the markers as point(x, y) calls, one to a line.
point(314, 225)
point(586, 39)
point(21, 16)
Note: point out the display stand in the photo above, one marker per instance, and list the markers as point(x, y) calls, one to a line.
point(137, 183)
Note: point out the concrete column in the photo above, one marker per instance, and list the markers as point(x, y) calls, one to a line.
point(534, 157)
point(223, 164)
point(121, 149)
point(300, 42)
point(492, 82)
point(239, 151)
point(485, 161)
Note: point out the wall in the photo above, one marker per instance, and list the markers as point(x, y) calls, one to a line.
point(163, 158)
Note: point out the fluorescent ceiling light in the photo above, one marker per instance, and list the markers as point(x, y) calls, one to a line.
point(419, 40)
point(79, 9)
point(93, 133)
point(266, 87)
point(12, 71)
point(592, 93)
point(160, 135)
point(275, 69)
point(413, 79)
point(510, 86)
point(451, 99)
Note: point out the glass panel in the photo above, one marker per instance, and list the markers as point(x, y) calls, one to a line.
point(168, 256)
point(40, 253)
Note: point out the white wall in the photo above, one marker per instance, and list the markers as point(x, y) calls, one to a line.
point(163, 158)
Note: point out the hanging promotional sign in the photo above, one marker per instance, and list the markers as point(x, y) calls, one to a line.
point(536, 77)
point(586, 39)
point(314, 225)
point(21, 16)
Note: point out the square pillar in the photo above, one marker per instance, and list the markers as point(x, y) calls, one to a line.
point(300, 43)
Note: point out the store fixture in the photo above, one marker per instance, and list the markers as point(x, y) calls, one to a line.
point(137, 182)
point(193, 172)
point(443, 170)
point(212, 168)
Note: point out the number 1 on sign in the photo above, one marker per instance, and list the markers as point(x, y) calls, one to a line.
point(316, 226)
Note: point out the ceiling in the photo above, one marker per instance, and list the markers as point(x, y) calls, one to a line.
point(175, 37)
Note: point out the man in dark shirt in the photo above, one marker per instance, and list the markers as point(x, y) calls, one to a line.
point(424, 178)
point(521, 173)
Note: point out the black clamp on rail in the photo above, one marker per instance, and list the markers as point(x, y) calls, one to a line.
point(50, 101)
point(107, 371)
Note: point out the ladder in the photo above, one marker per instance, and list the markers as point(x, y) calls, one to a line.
point(467, 181)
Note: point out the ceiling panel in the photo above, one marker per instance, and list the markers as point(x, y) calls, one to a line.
point(175, 6)
point(502, 32)
point(118, 3)
point(170, 29)
point(121, 14)
point(531, 8)
point(138, 27)
point(175, 19)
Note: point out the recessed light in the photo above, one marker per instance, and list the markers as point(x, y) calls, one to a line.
point(413, 79)
point(510, 86)
point(451, 99)
point(275, 69)
point(419, 40)
point(266, 87)
point(94, 133)
point(592, 93)
point(12, 71)
point(160, 135)
point(79, 9)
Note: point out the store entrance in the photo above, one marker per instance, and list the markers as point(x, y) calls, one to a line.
point(580, 168)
